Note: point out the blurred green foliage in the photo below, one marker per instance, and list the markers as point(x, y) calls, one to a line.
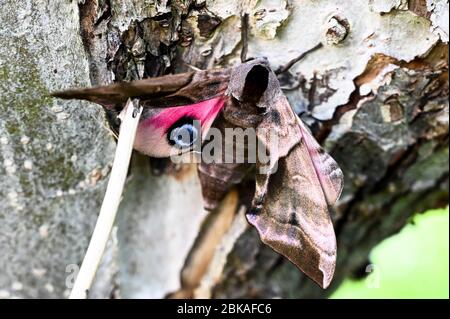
point(411, 264)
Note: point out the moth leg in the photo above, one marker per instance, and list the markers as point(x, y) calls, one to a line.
point(300, 81)
point(136, 69)
point(291, 63)
point(136, 106)
point(244, 37)
point(192, 67)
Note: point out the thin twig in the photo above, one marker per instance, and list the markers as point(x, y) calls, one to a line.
point(110, 203)
point(301, 56)
point(244, 37)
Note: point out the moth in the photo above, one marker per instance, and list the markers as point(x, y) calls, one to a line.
point(293, 197)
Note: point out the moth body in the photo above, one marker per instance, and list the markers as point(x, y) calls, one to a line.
point(294, 190)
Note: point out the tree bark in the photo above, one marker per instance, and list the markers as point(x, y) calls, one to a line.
point(375, 95)
point(55, 156)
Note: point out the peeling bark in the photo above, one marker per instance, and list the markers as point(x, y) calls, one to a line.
point(375, 95)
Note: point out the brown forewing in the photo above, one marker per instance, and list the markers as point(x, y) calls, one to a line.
point(168, 90)
point(290, 209)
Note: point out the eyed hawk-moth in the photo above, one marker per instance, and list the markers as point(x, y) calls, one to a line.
point(290, 207)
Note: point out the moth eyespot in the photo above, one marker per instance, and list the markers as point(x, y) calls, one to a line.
point(184, 136)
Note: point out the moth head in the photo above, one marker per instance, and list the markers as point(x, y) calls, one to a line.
point(253, 82)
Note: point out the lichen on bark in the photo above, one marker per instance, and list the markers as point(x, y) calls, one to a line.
point(54, 155)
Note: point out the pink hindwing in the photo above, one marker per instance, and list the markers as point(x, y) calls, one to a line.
point(153, 134)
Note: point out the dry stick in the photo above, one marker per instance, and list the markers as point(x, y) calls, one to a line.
point(110, 203)
point(244, 37)
point(301, 56)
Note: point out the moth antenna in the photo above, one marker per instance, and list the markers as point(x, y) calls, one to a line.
point(109, 130)
point(105, 127)
point(291, 63)
point(244, 37)
point(193, 67)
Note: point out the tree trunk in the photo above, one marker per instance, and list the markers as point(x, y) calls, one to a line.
point(375, 95)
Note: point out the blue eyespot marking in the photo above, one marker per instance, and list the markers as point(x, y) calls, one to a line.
point(184, 136)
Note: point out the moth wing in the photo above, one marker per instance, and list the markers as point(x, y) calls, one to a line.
point(165, 91)
point(168, 101)
point(327, 170)
point(118, 93)
point(290, 208)
point(154, 132)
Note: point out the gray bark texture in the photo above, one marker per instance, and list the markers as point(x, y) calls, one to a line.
point(375, 95)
